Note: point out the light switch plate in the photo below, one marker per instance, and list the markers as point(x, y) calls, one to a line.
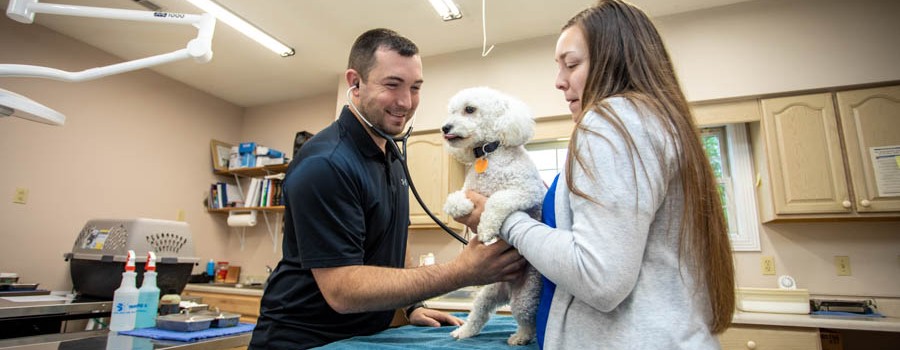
point(842, 265)
point(767, 265)
point(21, 196)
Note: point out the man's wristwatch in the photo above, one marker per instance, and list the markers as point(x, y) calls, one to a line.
point(413, 307)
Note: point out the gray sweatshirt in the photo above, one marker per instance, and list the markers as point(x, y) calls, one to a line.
point(620, 284)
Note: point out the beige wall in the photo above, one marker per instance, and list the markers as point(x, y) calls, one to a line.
point(133, 145)
point(771, 46)
point(275, 126)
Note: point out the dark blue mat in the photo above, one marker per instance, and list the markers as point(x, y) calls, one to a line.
point(156, 333)
point(493, 336)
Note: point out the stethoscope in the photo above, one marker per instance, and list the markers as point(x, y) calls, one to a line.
point(400, 153)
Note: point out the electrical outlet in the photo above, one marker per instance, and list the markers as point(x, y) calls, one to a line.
point(842, 264)
point(768, 265)
point(180, 215)
point(21, 196)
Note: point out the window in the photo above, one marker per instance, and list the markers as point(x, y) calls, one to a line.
point(549, 156)
point(728, 148)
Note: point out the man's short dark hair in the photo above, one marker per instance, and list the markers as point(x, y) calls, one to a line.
point(362, 54)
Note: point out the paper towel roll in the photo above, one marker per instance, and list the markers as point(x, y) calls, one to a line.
point(242, 220)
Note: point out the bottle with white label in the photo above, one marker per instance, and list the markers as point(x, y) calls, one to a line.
point(125, 299)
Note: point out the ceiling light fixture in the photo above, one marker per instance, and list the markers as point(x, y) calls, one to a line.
point(244, 27)
point(446, 9)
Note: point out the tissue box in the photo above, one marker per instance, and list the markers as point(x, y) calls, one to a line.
point(782, 301)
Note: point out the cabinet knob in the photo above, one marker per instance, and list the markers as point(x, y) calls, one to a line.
point(865, 203)
point(846, 204)
point(751, 344)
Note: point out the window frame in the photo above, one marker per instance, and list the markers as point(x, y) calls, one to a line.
point(740, 191)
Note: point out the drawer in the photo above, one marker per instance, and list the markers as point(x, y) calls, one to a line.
point(742, 337)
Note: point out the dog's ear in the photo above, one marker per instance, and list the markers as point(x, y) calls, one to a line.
point(516, 124)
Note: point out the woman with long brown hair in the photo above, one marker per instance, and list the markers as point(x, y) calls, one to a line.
point(634, 244)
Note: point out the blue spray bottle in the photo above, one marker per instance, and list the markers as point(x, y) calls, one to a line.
point(148, 296)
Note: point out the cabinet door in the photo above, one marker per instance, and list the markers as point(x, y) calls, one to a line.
point(805, 160)
point(765, 337)
point(870, 119)
point(429, 167)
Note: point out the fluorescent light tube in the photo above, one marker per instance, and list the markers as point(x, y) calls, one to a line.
point(244, 27)
point(446, 9)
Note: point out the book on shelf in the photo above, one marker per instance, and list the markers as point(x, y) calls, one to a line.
point(223, 195)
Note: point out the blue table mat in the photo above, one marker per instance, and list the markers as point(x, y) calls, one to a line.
point(493, 336)
point(163, 334)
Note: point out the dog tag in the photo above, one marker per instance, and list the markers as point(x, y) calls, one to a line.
point(481, 165)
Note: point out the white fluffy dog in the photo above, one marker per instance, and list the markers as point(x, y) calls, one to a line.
point(486, 131)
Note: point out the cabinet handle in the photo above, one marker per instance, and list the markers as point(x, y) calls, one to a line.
point(751, 344)
point(846, 204)
point(865, 203)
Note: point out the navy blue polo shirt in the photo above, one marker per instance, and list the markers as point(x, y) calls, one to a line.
point(346, 203)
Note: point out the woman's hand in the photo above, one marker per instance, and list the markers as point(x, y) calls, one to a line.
point(474, 218)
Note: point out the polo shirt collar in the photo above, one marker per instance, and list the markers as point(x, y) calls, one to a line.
point(358, 133)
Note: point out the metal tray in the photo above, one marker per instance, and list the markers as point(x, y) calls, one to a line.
point(184, 322)
point(222, 319)
point(18, 286)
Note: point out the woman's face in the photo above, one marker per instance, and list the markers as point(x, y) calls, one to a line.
point(573, 59)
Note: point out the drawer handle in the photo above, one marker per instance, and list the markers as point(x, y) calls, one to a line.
point(846, 204)
point(865, 203)
point(751, 345)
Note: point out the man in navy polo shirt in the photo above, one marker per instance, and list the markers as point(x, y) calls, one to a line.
point(346, 219)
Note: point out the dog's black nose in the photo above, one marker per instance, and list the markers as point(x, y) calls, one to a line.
point(446, 128)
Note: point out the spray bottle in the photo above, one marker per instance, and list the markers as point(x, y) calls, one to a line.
point(125, 299)
point(148, 296)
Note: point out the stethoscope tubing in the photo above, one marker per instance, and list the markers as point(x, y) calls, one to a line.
point(401, 154)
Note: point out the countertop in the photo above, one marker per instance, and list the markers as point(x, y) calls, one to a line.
point(212, 288)
point(880, 324)
point(462, 301)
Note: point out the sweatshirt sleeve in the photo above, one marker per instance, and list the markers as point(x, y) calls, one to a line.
point(599, 259)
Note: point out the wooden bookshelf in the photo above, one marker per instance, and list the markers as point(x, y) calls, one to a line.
point(255, 172)
point(274, 208)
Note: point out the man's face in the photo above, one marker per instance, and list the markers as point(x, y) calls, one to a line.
point(389, 97)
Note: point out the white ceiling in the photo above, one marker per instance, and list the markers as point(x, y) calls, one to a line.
point(321, 31)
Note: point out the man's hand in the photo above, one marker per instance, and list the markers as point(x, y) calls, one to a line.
point(474, 218)
point(485, 264)
point(432, 318)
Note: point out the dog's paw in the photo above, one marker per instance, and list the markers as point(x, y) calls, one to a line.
point(458, 205)
point(463, 332)
point(487, 238)
point(519, 339)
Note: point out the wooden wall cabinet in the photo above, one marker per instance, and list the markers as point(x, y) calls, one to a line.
point(817, 154)
point(742, 337)
point(435, 174)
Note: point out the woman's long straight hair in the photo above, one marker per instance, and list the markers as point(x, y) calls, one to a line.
point(628, 59)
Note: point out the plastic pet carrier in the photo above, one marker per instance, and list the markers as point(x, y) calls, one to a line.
point(98, 257)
